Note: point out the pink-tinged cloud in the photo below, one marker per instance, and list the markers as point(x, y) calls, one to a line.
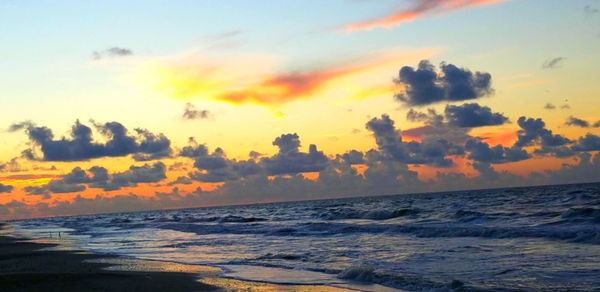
point(418, 9)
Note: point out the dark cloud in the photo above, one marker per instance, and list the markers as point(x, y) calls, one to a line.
point(55, 186)
point(192, 113)
point(137, 174)
point(352, 157)
point(5, 188)
point(290, 160)
point(425, 85)
point(534, 130)
point(112, 52)
point(98, 177)
point(574, 121)
point(589, 142)
point(480, 151)
point(182, 180)
point(472, 115)
point(216, 167)
point(431, 117)
point(432, 151)
point(549, 106)
point(80, 145)
point(553, 63)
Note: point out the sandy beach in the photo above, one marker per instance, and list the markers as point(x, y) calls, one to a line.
point(33, 266)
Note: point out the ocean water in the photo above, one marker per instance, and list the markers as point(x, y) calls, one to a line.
point(535, 238)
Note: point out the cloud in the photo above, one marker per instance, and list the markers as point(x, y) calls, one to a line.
point(290, 160)
point(587, 9)
point(549, 106)
point(472, 115)
point(11, 166)
point(285, 87)
point(425, 85)
point(384, 170)
point(577, 122)
point(98, 177)
point(267, 80)
point(111, 53)
point(53, 187)
point(454, 125)
point(216, 167)
point(5, 188)
point(80, 145)
point(553, 63)
point(416, 10)
point(352, 157)
point(480, 151)
point(590, 142)
point(534, 130)
point(181, 180)
point(432, 151)
point(192, 113)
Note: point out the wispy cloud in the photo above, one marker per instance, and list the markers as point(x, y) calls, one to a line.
point(259, 79)
point(553, 63)
point(417, 9)
point(111, 53)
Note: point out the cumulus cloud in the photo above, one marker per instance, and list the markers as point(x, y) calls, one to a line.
point(337, 180)
point(553, 63)
point(216, 167)
point(425, 85)
point(352, 157)
point(589, 142)
point(416, 10)
point(472, 115)
point(81, 146)
point(111, 53)
point(535, 130)
point(290, 160)
point(192, 113)
point(98, 177)
point(480, 151)
point(432, 151)
point(386, 171)
point(5, 188)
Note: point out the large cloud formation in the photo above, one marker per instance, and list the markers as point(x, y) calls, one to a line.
point(81, 146)
point(280, 177)
point(424, 85)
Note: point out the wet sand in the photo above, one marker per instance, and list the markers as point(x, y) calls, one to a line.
point(33, 266)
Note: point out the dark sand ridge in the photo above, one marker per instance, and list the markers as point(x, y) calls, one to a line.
point(32, 266)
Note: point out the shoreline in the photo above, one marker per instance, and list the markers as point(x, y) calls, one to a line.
point(26, 265)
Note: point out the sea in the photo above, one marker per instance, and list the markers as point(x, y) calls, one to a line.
point(544, 238)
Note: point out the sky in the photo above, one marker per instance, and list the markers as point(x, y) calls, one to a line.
point(114, 106)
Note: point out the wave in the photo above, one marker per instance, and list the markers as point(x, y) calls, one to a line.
point(368, 274)
point(576, 234)
point(592, 214)
point(341, 214)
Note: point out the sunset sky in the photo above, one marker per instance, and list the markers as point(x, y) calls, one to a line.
point(110, 106)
